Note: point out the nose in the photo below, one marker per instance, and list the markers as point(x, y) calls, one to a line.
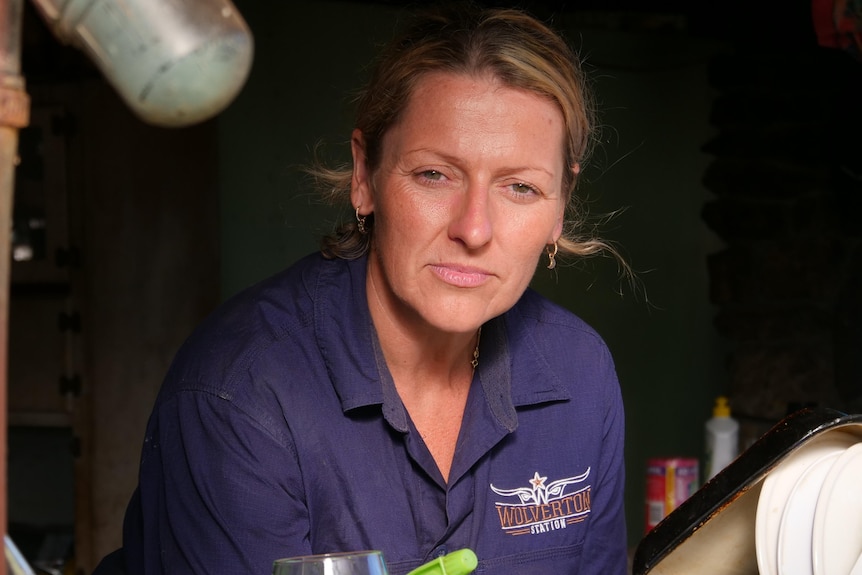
point(471, 217)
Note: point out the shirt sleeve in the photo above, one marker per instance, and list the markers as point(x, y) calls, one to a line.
point(605, 548)
point(219, 492)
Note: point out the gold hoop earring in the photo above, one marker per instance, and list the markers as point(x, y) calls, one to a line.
point(552, 263)
point(360, 222)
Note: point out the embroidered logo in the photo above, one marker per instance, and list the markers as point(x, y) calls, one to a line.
point(543, 506)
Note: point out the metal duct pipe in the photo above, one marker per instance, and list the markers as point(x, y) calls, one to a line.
point(174, 62)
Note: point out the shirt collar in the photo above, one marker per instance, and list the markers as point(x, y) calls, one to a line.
point(345, 334)
point(535, 380)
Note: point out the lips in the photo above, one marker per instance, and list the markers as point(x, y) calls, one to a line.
point(461, 276)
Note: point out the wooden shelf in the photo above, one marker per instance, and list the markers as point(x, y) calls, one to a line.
point(38, 419)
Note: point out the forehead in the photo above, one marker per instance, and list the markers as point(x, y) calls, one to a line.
point(457, 102)
point(478, 125)
point(434, 85)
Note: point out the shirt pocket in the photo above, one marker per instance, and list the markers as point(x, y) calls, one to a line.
point(549, 561)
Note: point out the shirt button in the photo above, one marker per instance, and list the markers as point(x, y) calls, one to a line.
point(440, 551)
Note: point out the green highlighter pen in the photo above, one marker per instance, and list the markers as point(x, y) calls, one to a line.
point(459, 562)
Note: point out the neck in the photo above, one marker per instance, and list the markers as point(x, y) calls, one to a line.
point(430, 362)
point(416, 352)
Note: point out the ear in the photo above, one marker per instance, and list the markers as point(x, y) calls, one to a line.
point(360, 185)
point(558, 227)
point(561, 216)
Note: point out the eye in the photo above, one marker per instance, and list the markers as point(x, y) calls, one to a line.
point(432, 175)
point(522, 189)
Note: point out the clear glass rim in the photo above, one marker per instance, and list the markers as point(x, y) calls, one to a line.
point(335, 555)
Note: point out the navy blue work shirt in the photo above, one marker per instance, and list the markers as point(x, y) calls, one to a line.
point(278, 432)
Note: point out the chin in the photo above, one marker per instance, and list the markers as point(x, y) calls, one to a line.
point(461, 316)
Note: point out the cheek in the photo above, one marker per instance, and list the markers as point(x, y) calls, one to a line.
point(529, 234)
point(401, 223)
point(408, 214)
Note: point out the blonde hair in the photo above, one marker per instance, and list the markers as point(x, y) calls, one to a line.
point(508, 44)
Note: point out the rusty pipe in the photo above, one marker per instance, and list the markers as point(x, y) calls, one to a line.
point(14, 115)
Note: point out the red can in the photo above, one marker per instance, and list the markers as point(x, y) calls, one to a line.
point(669, 482)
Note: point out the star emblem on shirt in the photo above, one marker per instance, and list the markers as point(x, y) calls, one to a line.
point(538, 481)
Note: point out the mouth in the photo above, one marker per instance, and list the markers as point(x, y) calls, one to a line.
point(460, 276)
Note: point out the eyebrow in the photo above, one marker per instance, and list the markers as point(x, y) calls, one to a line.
point(456, 160)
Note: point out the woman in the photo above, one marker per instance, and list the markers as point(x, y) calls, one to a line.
point(404, 390)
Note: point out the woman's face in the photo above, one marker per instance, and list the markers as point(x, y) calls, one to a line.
point(465, 199)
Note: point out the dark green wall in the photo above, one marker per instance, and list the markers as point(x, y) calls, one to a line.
point(308, 57)
point(654, 103)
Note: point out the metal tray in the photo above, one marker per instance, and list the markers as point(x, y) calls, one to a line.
point(712, 532)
